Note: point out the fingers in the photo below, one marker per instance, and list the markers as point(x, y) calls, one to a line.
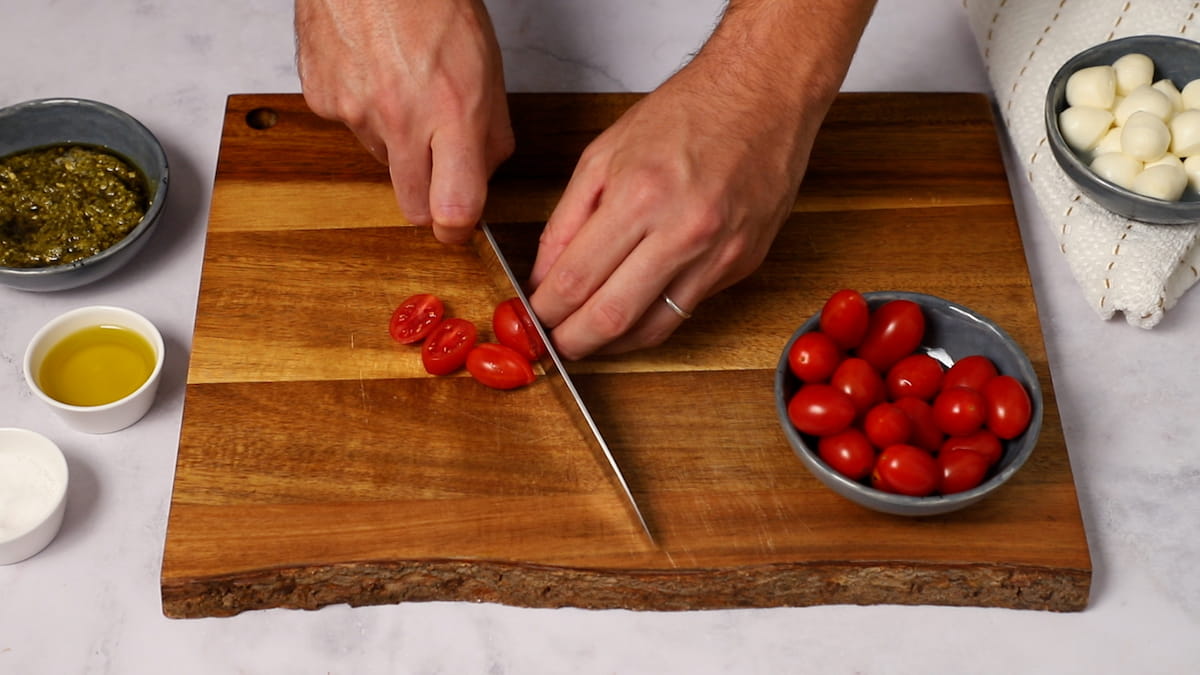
point(458, 185)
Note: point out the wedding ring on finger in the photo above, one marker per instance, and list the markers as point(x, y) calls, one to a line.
point(683, 313)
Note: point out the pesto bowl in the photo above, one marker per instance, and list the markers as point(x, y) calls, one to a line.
point(57, 121)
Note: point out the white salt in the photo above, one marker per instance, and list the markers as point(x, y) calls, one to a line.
point(28, 491)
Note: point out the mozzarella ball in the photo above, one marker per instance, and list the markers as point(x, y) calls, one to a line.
point(1145, 136)
point(1185, 133)
point(1144, 98)
point(1191, 167)
point(1191, 94)
point(1110, 142)
point(1083, 126)
point(1095, 86)
point(1133, 71)
point(1169, 90)
point(1162, 181)
point(1117, 167)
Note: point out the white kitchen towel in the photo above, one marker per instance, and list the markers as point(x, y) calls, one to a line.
point(1123, 266)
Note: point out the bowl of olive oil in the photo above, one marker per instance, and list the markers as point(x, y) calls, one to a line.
point(82, 187)
point(97, 366)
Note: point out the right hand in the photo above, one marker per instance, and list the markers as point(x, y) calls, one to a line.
point(421, 84)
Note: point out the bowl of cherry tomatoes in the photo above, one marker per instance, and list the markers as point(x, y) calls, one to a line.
point(907, 403)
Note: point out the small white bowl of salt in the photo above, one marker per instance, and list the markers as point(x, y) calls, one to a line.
point(33, 493)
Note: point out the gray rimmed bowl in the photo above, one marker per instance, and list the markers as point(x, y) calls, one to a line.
point(952, 332)
point(53, 121)
point(1176, 59)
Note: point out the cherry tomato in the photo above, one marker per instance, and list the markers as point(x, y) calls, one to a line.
point(858, 380)
point(820, 410)
point(514, 327)
point(1008, 406)
point(415, 318)
point(446, 348)
point(499, 366)
point(926, 434)
point(895, 331)
point(961, 470)
point(844, 318)
point(885, 424)
point(959, 411)
point(813, 357)
point(907, 470)
point(918, 375)
point(848, 452)
point(970, 371)
point(983, 442)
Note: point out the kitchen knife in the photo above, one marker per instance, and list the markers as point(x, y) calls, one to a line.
point(502, 275)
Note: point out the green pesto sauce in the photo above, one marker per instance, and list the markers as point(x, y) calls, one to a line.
point(64, 202)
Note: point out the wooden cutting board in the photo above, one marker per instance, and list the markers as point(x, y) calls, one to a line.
point(319, 464)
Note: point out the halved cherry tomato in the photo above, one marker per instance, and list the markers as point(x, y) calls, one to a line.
point(906, 470)
point(961, 470)
point(514, 327)
point(895, 331)
point(970, 371)
point(959, 411)
point(845, 317)
point(1008, 406)
point(918, 375)
point(446, 348)
point(885, 425)
point(862, 383)
point(983, 442)
point(813, 357)
point(820, 410)
point(925, 432)
point(415, 318)
point(499, 366)
point(848, 452)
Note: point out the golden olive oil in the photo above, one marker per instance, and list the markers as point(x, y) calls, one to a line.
point(96, 365)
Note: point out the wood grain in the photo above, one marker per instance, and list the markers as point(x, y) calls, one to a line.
point(319, 464)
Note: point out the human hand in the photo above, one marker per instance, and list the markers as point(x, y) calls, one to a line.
point(684, 194)
point(421, 85)
point(680, 198)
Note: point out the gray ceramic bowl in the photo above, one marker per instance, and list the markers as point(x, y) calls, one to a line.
point(951, 332)
point(70, 120)
point(1175, 59)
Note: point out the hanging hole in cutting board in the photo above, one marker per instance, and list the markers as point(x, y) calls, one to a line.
point(261, 118)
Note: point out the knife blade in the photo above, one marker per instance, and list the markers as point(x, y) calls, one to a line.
point(488, 249)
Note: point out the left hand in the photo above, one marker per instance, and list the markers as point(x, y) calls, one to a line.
point(682, 196)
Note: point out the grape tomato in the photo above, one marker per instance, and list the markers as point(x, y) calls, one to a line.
point(820, 410)
point(813, 357)
point(858, 380)
point(844, 318)
point(959, 411)
point(982, 442)
point(513, 327)
point(849, 452)
point(415, 318)
point(1008, 406)
point(970, 371)
point(446, 348)
point(895, 330)
point(961, 470)
point(499, 366)
point(917, 375)
point(885, 424)
point(907, 470)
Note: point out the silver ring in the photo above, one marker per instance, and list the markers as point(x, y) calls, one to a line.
point(683, 313)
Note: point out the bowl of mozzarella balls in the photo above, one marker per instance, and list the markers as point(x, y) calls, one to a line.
point(1123, 121)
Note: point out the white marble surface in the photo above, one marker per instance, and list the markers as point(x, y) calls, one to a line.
point(89, 603)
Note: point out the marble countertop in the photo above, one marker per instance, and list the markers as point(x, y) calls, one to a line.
point(89, 603)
